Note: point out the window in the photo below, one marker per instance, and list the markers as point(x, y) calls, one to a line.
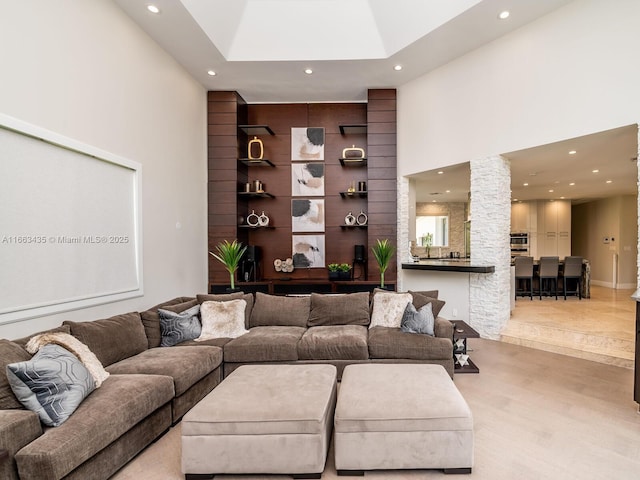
point(437, 226)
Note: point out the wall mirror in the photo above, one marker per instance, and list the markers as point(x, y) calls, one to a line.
point(434, 228)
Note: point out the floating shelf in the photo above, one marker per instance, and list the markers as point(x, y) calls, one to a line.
point(351, 129)
point(255, 162)
point(256, 129)
point(353, 162)
point(256, 227)
point(353, 194)
point(353, 226)
point(256, 194)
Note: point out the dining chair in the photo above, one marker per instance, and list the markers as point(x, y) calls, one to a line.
point(549, 267)
point(572, 271)
point(524, 272)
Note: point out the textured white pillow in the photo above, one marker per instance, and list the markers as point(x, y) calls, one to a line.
point(222, 319)
point(388, 308)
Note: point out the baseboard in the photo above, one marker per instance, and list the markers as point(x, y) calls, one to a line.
point(620, 286)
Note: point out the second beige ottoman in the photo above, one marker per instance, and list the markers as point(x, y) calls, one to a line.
point(274, 419)
point(401, 416)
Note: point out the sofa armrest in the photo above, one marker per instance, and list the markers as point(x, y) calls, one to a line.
point(443, 328)
point(17, 429)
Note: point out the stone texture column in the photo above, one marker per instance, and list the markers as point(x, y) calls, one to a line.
point(489, 294)
point(403, 252)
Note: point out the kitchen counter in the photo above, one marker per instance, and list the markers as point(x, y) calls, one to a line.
point(448, 265)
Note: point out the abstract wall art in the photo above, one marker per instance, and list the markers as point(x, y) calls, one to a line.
point(307, 215)
point(308, 251)
point(307, 179)
point(307, 143)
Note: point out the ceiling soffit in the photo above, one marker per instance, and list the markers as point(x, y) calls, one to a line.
point(297, 30)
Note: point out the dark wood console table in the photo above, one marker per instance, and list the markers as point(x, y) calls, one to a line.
point(461, 332)
point(302, 286)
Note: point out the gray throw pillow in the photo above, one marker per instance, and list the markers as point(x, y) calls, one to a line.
point(52, 384)
point(418, 321)
point(179, 327)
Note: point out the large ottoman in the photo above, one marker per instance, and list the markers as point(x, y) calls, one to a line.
point(401, 416)
point(274, 419)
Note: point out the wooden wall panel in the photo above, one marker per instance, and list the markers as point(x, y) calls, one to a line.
point(381, 139)
point(226, 177)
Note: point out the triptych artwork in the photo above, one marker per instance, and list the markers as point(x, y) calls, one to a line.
point(307, 213)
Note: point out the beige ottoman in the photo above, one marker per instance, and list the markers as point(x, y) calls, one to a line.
point(401, 416)
point(273, 419)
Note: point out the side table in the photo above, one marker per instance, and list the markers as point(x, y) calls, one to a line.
point(461, 332)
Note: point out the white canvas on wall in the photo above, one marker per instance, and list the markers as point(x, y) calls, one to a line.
point(307, 180)
point(307, 143)
point(307, 215)
point(308, 251)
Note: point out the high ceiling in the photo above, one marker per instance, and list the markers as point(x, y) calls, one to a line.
point(261, 48)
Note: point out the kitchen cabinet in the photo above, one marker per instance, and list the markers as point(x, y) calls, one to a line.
point(554, 228)
point(520, 217)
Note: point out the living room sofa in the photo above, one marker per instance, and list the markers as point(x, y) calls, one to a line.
point(150, 387)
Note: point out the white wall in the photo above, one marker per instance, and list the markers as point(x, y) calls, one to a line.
point(571, 73)
point(83, 69)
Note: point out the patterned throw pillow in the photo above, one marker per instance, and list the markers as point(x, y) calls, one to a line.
point(418, 321)
point(223, 319)
point(179, 327)
point(52, 384)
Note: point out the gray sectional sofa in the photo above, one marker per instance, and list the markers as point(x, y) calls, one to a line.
point(151, 387)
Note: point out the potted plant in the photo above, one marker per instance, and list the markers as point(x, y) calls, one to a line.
point(344, 271)
point(383, 252)
point(334, 271)
point(230, 254)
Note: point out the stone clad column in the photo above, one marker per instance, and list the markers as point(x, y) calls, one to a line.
point(489, 294)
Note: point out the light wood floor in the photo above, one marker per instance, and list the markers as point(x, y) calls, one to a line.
point(601, 328)
point(537, 415)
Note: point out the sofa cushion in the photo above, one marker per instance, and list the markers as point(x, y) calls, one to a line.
point(265, 344)
point(348, 309)
point(271, 310)
point(177, 327)
point(385, 342)
point(186, 365)
point(52, 383)
point(10, 352)
point(112, 339)
point(225, 297)
point(420, 299)
point(337, 342)
point(388, 308)
point(426, 293)
point(151, 318)
point(24, 340)
point(418, 321)
point(104, 416)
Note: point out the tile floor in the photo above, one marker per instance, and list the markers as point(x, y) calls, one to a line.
point(600, 328)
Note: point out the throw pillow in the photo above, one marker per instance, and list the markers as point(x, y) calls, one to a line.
point(224, 297)
point(222, 319)
point(420, 300)
point(388, 308)
point(151, 319)
point(10, 352)
point(418, 321)
point(52, 384)
point(179, 327)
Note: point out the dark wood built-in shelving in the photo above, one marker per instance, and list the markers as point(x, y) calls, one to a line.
point(353, 194)
point(353, 162)
point(255, 162)
point(351, 129)
point(256, 227)
point(256, 129)
point(353, 226)
point(256, 194)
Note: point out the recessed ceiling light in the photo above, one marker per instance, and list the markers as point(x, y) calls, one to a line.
point(397, 68)
point(448, 191)
point(515, 199)
point(551, 191)
point(211, 73)
point(609, 181)
point(561, 198)
point(308, 71)
point(525, 184)
point(572, 152)
point(440, 172)
point(153, 8)
point(504, 14)
point(433, 201)
point(595, 171)
point(572, 183)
